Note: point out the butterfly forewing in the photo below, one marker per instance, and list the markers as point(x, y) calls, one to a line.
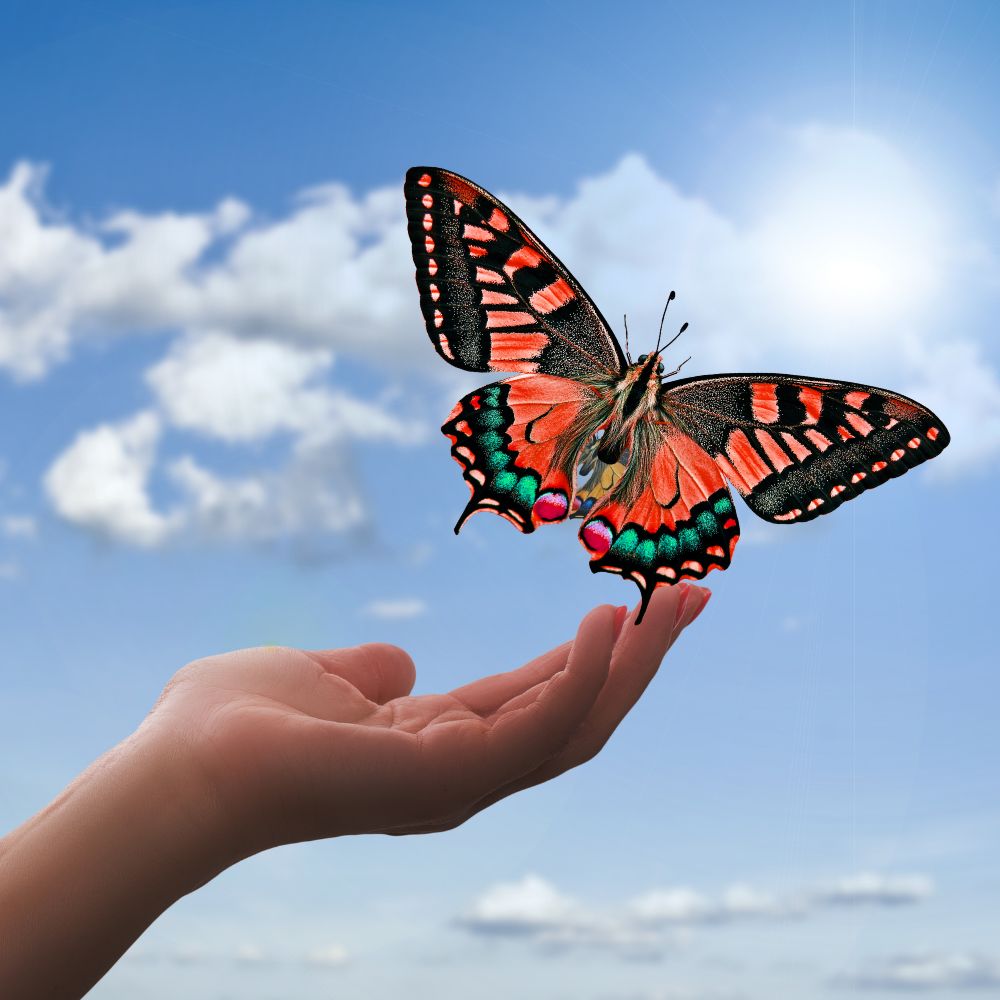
point(493, 296)
point(797, 447)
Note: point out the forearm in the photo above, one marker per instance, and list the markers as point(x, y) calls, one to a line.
point(81, 880)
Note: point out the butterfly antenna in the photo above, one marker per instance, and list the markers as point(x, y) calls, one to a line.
point(680, 366)
point(670, 298)
point(627, 353)
point(684, 326)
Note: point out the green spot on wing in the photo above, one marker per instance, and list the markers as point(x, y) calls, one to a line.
point(526, 489)
point(497, 460)
point(666, 547)
point(626, 542)
point(723, 506)
point(707, 524)
point(504, 481)
point(645, 551)
point(489, 419)
point(490, 441)
point(688, 539)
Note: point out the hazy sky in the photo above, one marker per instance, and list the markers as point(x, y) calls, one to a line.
point(221, 415)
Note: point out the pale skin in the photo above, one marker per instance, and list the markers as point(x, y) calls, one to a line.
point(249, 750)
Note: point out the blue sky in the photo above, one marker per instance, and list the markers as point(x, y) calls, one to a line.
point(221, 414)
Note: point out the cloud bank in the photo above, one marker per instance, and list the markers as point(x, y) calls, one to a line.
point(647, 926)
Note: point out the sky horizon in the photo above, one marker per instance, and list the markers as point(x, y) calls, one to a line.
point(222, 431)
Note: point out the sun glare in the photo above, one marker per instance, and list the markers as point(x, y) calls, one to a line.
point(852, 236)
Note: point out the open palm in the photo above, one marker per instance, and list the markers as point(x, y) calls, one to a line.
point(297, 745)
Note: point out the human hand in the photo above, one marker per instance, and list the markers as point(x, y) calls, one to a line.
point(294, 745)
point(260, 747)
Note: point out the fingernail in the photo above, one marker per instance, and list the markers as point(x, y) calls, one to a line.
point(696, 604)
point(620, 615)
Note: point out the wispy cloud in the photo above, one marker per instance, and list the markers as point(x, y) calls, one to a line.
point(245, 953)
point(533, 909)
point(396, 608)
point(18, 526)
point(931, 971)
point(332, 956)
point(646, 926)
point(873, 889)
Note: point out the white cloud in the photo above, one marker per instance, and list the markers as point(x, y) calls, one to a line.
point(741, 901)
point(653, 923)
point(673, 906)
point(961, 386)
point(794, 280)
point(870, 888)
point(931, 971)
point(524, 907)
point(332, 956)
point(250, 954)
point(334, 273)
point(59, 280)
point(314, 494)
point(851, 241)
point(397, 608)
point(248, 390)
point(688, 907)
point(101, 482)
point(533, 909)
point(678, 993)
point(838, 259)
point(239, 391)
point(846, 264)
point(18, 526)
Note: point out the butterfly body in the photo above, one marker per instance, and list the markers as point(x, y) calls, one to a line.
point(582, 431)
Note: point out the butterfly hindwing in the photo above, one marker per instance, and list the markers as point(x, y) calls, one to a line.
point(796, 448)
point(493, 296)
point(670, 516)
point(515, 441)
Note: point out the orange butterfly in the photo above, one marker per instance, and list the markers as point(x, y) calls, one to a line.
point(582, 431)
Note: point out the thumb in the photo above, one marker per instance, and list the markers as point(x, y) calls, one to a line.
point(378, 670)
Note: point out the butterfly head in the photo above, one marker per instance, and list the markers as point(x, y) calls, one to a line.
point(657, 368)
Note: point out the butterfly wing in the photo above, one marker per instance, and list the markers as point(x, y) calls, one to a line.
point(796, 448)
point(517, 442)
point(493, 296)
point(668, 517)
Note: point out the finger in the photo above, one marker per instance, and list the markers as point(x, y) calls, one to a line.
point(639, 653)
point(636, 659)
point(378, 670)
point(634, 664)
point(486, 695)
point(520, 739)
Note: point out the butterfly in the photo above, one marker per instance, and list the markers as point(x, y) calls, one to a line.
point(582, 431)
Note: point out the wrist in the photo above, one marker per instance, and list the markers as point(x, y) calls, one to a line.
point(125, 840)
